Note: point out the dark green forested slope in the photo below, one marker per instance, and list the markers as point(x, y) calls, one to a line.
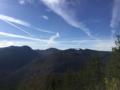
point(112, 78)
point(70, 69)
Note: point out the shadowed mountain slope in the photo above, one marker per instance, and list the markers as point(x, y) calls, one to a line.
point(21, 66)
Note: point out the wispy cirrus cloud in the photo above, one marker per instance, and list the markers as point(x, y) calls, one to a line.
point(23, 2)
point(21, 37)
point(13, 20)
point(115, 22)
point(52, 39)
point(47, 42)
point(45, 17)
point(61, 8)
point(103, 45)
point(43, 30)
point(18, 28)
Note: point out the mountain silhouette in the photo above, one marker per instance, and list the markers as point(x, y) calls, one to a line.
point(20, 65)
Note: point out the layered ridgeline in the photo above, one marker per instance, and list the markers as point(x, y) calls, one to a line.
point(22, 68)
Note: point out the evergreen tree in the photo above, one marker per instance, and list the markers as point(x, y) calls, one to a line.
point(91, 76)
point(113, 68)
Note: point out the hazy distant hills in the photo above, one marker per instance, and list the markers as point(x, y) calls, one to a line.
point(21, 65)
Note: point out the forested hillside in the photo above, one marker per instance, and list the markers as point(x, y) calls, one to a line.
point(25, 69)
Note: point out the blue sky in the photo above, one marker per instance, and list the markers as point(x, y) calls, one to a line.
point(61, 24)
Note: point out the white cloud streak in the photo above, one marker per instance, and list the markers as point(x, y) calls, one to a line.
point(15, 26)
point(43, 30)
point(102, 45)
point(13, 20)
point(47, 42)
point(61, 8)
point(22, 37)
point(23, 2)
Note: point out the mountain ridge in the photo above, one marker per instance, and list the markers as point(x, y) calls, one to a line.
point(22, 64)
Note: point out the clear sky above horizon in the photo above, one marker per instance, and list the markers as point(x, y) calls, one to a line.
point(60, 24)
